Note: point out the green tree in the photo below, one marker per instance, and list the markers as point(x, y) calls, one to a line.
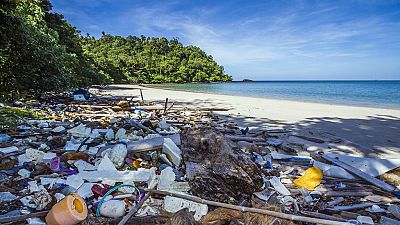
point(40, 51)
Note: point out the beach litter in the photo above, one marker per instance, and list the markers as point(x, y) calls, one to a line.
point(113, 160)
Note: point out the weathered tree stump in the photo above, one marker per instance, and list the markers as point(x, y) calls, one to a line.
point(215, 169)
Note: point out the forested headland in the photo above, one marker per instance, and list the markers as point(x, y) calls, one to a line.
point(40, 51)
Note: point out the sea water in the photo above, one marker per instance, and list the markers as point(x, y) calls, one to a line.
point(381, 94)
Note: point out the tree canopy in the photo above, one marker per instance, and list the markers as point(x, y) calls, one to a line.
point(152, 60)
point(40, 51)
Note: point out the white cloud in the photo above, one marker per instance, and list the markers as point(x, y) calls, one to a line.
point(299, 36)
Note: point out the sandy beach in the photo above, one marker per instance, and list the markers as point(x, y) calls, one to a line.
point(375, 129)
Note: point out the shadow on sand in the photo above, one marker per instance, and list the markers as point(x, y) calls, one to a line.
point(376, 134)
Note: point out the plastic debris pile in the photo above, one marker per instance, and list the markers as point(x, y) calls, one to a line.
point(109, 160)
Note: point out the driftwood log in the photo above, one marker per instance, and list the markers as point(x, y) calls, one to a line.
point(217, 171)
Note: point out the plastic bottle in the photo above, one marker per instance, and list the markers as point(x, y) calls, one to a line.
point(69, 211)
point(268, 163)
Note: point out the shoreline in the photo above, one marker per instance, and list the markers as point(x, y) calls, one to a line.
point(277, 98)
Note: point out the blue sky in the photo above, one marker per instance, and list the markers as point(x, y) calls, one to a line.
point(262, 40)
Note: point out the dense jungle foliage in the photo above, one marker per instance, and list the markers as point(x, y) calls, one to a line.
point(40, 51)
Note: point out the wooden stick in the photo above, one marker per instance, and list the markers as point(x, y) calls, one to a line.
point(351, 207)
point(316, 140)
point(141, 95)
point(277, 131)
point(165, 105)
point(172, 105)
point(23, 217)
point(348, 193)
point(155, 107)
point(244, 138)
point(133, 210)
point(97, 115)
point(322, 216)
point(361, 174)
point(93, 106)
point(248, 209)
point(141, 126)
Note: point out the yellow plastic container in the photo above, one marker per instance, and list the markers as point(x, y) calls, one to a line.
point(69, 211)
point(311, 179)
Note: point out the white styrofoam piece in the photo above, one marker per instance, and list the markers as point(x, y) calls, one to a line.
point(58, 129)
point(172, 204)
point(112, 176)
point(74, 181)
point(83, 165)
point(333, 171)
point(92, 150)
point(121, 134)
point(371, 166)
point(85, 190)
point(34, 155)
point(106, 164)
point(113, 208)
point(278, 186)
point(117, 154)
point(48, 156)
point(109, 135)
point(80, 131)
point(24, 173)
point(172, 151)
point(285, 156)
point(7, 197)
point(167, 182)
point(9, 149)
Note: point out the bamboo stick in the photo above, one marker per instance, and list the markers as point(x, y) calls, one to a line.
point(323, 216)
point(348, 193)
point(133, 210)
point(248, 209)
point(23, 217)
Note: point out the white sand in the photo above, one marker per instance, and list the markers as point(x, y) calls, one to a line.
point(375, 128)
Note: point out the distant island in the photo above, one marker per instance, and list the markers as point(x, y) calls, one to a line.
point(40, 51)
point(247, 80)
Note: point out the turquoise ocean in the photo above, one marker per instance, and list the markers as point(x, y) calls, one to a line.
point(380, 94)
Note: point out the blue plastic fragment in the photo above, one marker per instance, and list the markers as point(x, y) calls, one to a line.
point(244, 131)
point(24, 184)
point(268, 163)
point(396, 193)
point(59, 186)
point(11, 214)
point(274, 142)
point(5, 137)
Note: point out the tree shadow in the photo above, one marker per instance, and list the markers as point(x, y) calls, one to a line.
point(196, 103)
point(377, 135)
point(112, 87)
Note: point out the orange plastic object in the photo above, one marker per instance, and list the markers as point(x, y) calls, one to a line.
point(311, 179)
point(69, 211)
point(76, 156)
point(55, 118)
